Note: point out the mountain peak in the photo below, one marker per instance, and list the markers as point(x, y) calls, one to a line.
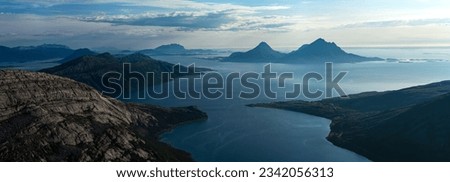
point(318, 51)
point(321, 41)
point(261, 53)
point(320, 47)
point(263, 44)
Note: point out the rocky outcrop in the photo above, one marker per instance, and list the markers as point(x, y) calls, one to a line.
point(50, 118)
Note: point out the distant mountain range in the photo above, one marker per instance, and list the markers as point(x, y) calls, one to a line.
point(23, 54)
point(175, 49)
point(410, 124)
point(319, 51)
point(91, 68)
point(33, 53)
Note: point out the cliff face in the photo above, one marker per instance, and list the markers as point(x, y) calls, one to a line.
point(50, 118)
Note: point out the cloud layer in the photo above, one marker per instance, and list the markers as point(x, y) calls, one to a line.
point(136, 24)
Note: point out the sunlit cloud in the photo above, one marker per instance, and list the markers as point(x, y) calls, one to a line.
point(136, 24)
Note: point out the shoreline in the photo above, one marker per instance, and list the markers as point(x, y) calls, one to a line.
point(329, 137)
point(164, 131)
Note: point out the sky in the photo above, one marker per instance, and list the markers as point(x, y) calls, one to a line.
point(140, 24)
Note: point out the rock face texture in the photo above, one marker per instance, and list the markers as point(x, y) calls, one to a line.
point(50, 118)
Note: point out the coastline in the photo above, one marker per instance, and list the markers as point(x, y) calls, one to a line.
point(331, 135)
point(168, 130)
point(406, 125)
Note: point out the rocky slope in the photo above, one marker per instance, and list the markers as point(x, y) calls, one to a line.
point(50, 118)
point(410, 124)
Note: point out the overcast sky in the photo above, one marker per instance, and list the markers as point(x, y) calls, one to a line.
point(138, 24)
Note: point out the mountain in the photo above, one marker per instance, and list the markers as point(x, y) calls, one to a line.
point(50, 118)
point(261, 53)
point(175, 49)
point(171, 49)
point(319, 51)
point(91, 69)
point(78, 53)
point(34, 53)
point(410, 124)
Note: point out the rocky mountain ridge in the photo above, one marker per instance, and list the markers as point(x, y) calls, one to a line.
point(50, 118)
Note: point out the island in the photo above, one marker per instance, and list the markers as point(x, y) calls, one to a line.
point(317, 52)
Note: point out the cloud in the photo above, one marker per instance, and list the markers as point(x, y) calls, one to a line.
point(163, 4)
point(188, 21)
point(208, 23)
point(185, 20)
point(185, 15)
point(398, 23)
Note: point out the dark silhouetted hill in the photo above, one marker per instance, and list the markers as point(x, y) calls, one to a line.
point(78, 53)
point(410, 124)
point(261, 53)
point(91, 69)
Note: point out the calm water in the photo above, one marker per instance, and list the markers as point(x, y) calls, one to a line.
point(235, 132)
